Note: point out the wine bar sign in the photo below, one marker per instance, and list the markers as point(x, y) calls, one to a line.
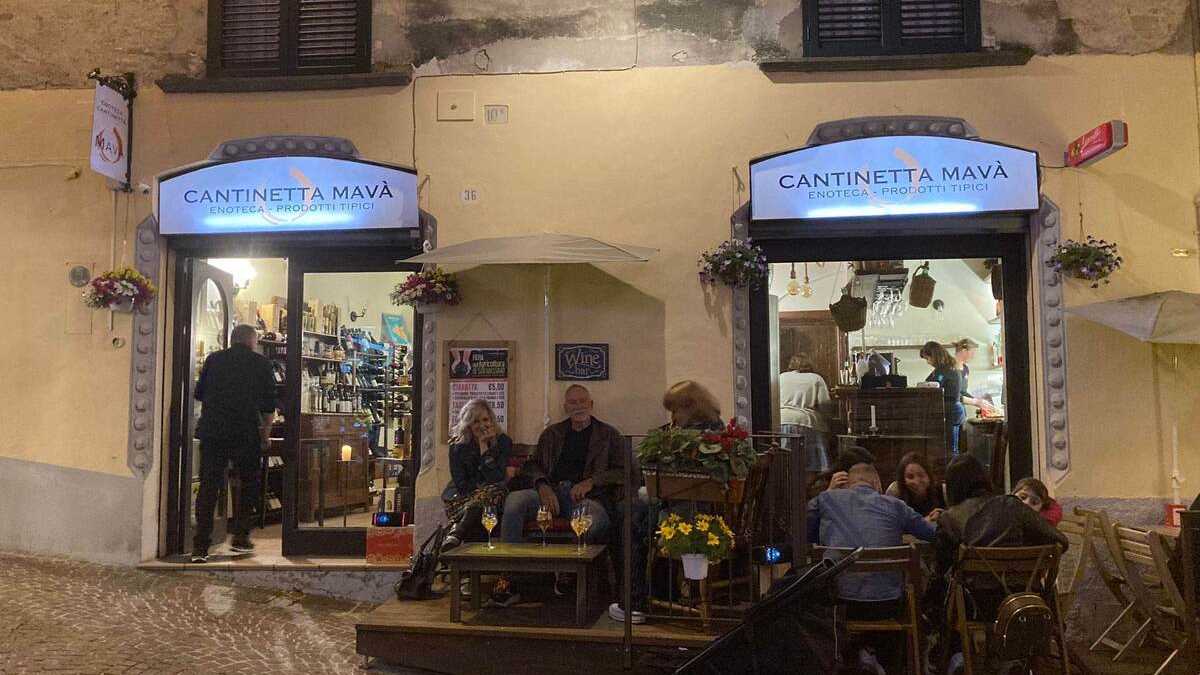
point(587, 361)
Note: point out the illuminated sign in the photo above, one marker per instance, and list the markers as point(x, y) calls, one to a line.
point(1098, 143)
point(287, 194)
point(893, 176)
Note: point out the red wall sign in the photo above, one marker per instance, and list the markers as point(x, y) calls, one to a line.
point(1098, 143)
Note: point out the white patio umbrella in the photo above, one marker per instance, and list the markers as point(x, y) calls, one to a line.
point(1168, 317)
point(546, 248)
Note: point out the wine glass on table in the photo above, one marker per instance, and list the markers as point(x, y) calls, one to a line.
point(543, 521)
point(579, 525)
point(488, 520)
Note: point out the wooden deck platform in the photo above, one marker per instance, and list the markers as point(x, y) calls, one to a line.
point(533, 636)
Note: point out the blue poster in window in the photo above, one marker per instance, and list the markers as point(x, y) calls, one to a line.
point(581, 361)
point(395, 329)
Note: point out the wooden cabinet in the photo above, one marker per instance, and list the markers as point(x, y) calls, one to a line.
point(327, 484)
point(815, 334)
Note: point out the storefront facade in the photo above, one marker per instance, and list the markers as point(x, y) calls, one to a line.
point(667, 167)
point(912, 187)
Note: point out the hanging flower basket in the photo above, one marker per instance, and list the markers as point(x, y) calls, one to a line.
point(697, 541)
point(1093, 260)
point(737, 263)
point(123, 290)
point(426, 289)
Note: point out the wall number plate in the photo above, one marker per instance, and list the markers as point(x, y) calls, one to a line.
point(469, 195)
point(495, 114)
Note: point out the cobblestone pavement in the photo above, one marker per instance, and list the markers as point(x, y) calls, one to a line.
point(66, 616)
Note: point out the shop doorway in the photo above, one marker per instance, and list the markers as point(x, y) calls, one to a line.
point(785, 325)
point(344, 361)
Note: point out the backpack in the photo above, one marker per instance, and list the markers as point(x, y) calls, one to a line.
point(1023, 627)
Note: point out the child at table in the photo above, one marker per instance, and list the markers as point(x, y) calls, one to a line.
point(1035, 495)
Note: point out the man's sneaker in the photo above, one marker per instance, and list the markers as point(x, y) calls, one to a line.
point(464, 588)
point(200, 555)
point(617, 614)
point(242, 545)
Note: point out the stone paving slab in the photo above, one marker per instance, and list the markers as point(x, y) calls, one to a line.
point(67, 616)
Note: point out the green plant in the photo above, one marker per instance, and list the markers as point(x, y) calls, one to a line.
point(723, 454)
point(1091, 260)
point(736, 262)
point(704, 534)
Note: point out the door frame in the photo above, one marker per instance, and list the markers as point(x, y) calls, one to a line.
point(354, 251)
point(1011, 248)
point(329, 540)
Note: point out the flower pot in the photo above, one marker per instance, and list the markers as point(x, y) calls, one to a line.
point(695, 565)
point(425, 308)
point(124, 305)
point(695, 487)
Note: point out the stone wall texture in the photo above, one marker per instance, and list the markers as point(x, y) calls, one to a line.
point(54, 44)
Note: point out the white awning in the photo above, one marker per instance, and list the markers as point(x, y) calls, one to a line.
point(1165, 317)
point(545, 248)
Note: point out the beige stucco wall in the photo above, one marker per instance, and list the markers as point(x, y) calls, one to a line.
point(656, 157)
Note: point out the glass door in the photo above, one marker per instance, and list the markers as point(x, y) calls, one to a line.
point(351, 357)
point(208, 293)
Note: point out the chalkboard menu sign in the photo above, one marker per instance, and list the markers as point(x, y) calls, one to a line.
point(581, 361)
point(479, 369)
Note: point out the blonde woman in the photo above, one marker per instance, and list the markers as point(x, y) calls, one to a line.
point(479, 470)
point(692, 406)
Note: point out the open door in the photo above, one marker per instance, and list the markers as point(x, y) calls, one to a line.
point(208, 293)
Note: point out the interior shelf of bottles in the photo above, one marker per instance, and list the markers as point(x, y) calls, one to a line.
point(347, 371)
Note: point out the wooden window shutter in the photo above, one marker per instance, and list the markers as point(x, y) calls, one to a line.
point(332, 35)
point(249, 36)
point(289, 37)
point(881, 27)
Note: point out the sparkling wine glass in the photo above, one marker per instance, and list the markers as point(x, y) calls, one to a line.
point(543, 521)
point(488, 520)
point(580, 521)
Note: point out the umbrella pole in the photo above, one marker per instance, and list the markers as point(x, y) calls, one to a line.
point(546, 342)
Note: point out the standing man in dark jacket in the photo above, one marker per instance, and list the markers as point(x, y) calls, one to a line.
point(574, 464)
point(238, 393)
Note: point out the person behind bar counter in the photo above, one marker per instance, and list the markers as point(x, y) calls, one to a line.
point(948, 376)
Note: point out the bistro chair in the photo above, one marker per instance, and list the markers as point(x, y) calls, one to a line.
point(1142, 558)
point(1017, 568)
point(741, 518)
point(1075, 559)
point(1098, 538)
point(895, 559)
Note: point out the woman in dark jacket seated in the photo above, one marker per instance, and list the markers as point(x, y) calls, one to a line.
point(977, 517)
point(479, 470)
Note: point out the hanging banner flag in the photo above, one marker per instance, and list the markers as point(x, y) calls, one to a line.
point(110, 134)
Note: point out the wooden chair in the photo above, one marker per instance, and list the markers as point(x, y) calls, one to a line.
point(1097, 539)
point(1074, 561)
point(897, 559)
point(1032, 567)
point(1142, 558)
point(742, 517)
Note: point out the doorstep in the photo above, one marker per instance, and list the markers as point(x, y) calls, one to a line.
point(272, 563)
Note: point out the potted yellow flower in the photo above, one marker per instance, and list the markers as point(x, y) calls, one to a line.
point(695, 541)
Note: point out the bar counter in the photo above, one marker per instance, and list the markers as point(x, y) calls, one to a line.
point(906, 419)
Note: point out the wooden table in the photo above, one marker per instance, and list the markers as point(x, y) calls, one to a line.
point(476, 558)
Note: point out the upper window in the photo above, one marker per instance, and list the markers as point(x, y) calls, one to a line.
point(288, 37)
point(883, 27)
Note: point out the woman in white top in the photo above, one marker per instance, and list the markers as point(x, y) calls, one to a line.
point(804, 406)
